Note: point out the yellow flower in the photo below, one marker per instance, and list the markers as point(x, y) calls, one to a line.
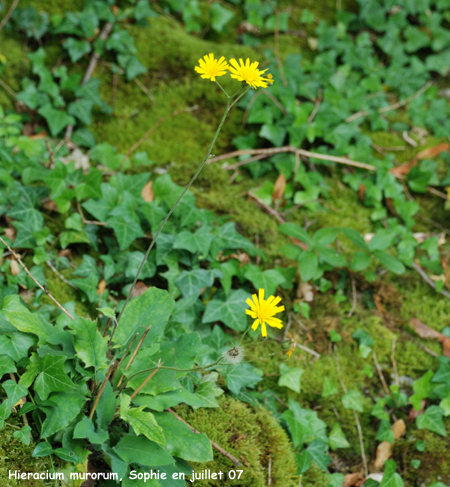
point(263, 311)
point(210, 68)
point(249, 73)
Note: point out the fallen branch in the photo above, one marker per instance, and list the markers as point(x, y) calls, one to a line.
point(301, 152)
point(151, 130)
point(425, 277)
point(213, 443)
point(316, 107)
point(8, 15)
point(43, 288)
point(268, 208)
point(389, 108)
point(63, 279)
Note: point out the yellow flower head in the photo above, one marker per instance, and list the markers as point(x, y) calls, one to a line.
point(249, 73)
point(210, 68)
point(263, 311)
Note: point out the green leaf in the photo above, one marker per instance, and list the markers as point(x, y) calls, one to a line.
point(14, 391)
point(390, 477)
point(220, 16)
point(268, 280)
point(151, 308)
point(17, 346)
point(190, 283)
point(307, 265)
point(58, 418)
point(43, 449)
point(360, 261)
point(109, 312)
point(144, 423)
point(355, 237)
point(331, 256)
point(90, 345)
point(198, 241)
point(50, 376)
point(337, 438)
point(57, 120)
point(297, 232)
point(182, 442)
point(385, 432)
point(229, 310)
point(7, 365)
point(82, 110)
point(317, 450)
point(431, 420)
point(329, 389)
point(439, 62)
point(86, 429)
point(127, 231)
point(240, 376)
point(290, 377)
point(443, 372)
point(423, 388)
point(352, 400)
point(76, 48)
point(88, 285)
point(71, 237)
point(136, 449)
point(304, 424)
point(23, 435)
point(392, 264)
point(28, 322)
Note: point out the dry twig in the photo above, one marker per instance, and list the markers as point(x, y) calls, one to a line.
point(8, 15)
point(425, 277)
point(380, 373)
point(268, 208)
point(316, 106)
point(394, 364)
point(24, 267)
point(352, 310)
point(63, 279)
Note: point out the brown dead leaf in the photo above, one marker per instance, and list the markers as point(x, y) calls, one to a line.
point(361, 191)
point(305, 291)
point(242, 257)
point(432, 151)
point(65, 253)
point(353, 480)
point(299, 243)
point(384, 451)
point(40, 135)
point(413, 413)
point(423, 330)
point(280, 186)
point(101, 287)
point(139, 289)
point(14, 267)
point(49, 205)
point(398, 428)
point(147, 192)
point(10, 233)
point(402, 170)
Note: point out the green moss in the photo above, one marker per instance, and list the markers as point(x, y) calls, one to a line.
point(252, 436)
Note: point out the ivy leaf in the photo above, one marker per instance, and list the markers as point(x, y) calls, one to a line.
point(88, 285)
point(329, 389)
point(43, 449)
point(151, 308)
point(385, 432)
point(86, 429)
point(23, 434)
point(76, 48)
point(182, 442)
point(443, 372)
point(82, 110)
point(90, 345)
point(57, 120)
point(317, 450)
point(229, 310)
point(14, 391)
point(136, 449)
point(290, 377)
point(337, 437)
point(304, 424)
point(7, 365)
point(135, 260)
point(126, 231)
point(59, 417)
point(50, 376)
point(199, 241)
point(431, 420)
point(190, 283)
point(220, 16)
point(422, 390)
point(390, 477)
point(352, 400)
point(240, 376)
point(268, 280)
point(28, 322)
point(17, 346)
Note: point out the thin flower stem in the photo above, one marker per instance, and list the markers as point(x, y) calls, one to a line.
point(99, 395)
point(139, 389)
point(194, 177)
point(223, 89)
point(239, 97)
point(124, 356)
